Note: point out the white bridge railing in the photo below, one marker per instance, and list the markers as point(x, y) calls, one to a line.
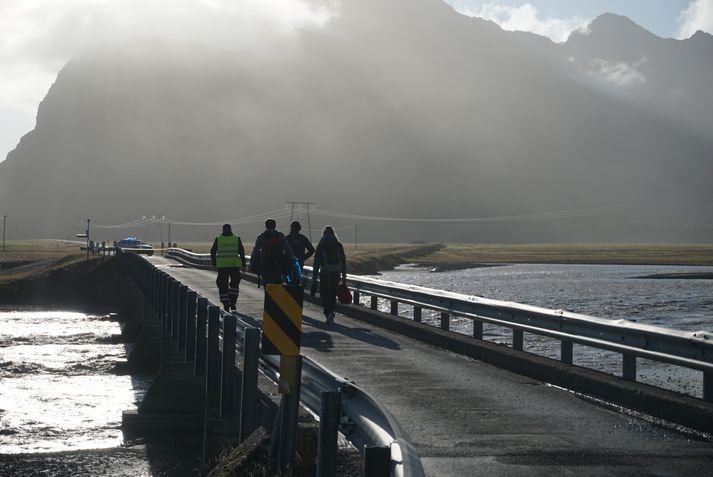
point(693, 350)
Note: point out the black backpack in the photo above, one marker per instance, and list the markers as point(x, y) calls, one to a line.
point(331, 260)
point(274, 254)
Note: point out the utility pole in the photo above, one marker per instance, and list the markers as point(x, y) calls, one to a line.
point(169, 234)
point(4, 221)
point(356, 236)
point(307, 205)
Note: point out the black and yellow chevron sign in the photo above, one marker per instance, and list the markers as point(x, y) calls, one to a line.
point(282, 320)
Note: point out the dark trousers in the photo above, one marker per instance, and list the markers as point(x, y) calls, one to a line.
point(228, 282)
point(328, 290)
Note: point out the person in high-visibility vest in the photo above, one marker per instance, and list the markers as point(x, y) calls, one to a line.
point(228, 256)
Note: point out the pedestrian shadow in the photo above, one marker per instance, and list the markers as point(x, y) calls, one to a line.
point(322, 340)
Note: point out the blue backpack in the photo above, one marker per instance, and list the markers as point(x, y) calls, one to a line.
point(294, 276)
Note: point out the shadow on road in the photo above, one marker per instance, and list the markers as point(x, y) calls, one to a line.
point(322, 341)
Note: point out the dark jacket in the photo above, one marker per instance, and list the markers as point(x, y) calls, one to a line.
point(214, 250)
point(301, 246)
point(262, 240)
point(320, 257)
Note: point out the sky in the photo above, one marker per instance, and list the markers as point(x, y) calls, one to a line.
point(40, 36)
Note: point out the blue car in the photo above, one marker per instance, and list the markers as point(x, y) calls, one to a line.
point(132, 244)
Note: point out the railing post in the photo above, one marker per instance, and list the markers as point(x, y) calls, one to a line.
point(191, 327)
point(708, 386)
point(377, 461)
point(248, 398)
point(374, 302)
point(566, 351)
point(356, 296)
point(288, 423)
point(445, 321)
point(175, 318)
point(629, 367)
point(518, 337)
point(170, 309)
point(478, 329)
point(329, 417)
point(417, 314)
point(212, 367)
point(395, 307)
point(201, 336)
point(227, 377)
point(182, 316)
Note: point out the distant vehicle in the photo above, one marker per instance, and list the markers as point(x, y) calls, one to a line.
point(132, 244)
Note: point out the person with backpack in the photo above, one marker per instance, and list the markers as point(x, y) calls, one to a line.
point(301, 246)
point(228, 255)
point(272, 255)
point(330, 263)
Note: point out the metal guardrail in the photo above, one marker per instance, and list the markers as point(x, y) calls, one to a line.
point(364, 421)
point(692, 350)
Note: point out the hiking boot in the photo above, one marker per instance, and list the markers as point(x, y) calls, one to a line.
point(330, 318)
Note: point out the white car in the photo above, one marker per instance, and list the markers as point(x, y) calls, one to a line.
point(132, 244)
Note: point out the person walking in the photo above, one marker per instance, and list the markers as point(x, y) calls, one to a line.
point(228, 255)
point(330, 263)
point(273, 254)
point(301, 246)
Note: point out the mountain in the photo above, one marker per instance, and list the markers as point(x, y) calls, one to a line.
point(394, 109)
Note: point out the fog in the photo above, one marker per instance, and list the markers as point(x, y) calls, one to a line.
point(388, 109)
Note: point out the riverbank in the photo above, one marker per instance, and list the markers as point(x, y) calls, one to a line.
point(462, 256)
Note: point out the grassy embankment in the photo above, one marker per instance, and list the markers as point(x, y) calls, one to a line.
point(30, 270)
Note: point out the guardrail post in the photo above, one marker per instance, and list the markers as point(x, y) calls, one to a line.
point(445, 321)
point(182, 316)
point(288, 423)
point(356, 296)
point(377, 461)
point(169, 308)
point(176, 310)
point(159, 291)
point(212, 367)
point(708, 386)
point(566, 351)
point(518, 337)
point(227, 377)
point(248, 398)
point(374, 302)
point(201, 336)
point(329, 417)
point(417, 314)
point(629, 367)
point(395, 307)
point(191, 327)
point(478, 329)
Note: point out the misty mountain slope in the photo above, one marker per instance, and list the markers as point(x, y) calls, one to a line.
point(388, 111)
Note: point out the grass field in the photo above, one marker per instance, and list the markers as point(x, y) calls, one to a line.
point(450, 256)
point(468, 255)
point(33, 250)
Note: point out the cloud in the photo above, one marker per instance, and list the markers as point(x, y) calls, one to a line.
point(526, 18)
point(40, 36)
point(618, 73)
point(697, 16)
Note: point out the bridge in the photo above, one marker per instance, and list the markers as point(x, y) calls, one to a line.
point(446, 404)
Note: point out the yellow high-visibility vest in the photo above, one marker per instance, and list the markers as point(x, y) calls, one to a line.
point(227, 254)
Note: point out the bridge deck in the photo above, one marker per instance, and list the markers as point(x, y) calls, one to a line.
point(469, 418)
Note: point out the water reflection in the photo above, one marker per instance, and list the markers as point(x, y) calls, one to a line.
point(58, 391)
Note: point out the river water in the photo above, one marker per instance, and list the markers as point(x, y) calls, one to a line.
point(605, 291)
point(58, 387)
